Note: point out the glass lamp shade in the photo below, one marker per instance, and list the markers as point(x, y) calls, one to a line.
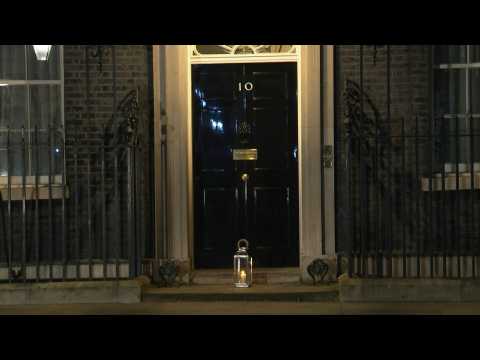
point(42, 51)
point(242, 266)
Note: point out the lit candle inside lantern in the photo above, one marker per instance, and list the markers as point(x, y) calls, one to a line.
point(243, 276)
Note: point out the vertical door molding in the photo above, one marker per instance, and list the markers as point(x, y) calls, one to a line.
point(158, 101)
point(178, 170)
point(328, 101)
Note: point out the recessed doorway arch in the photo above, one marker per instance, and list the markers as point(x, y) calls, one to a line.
point(314, 63)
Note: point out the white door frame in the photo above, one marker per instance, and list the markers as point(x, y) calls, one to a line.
point(315, 86)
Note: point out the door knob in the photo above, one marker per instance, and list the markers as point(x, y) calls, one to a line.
point(245, 177)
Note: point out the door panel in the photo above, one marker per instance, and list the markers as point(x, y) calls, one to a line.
point(269, 206)
point(219, 213)
point(267, 132)
point(228, 115)
point(269, 85)
point(215, 138)
point(217, 83)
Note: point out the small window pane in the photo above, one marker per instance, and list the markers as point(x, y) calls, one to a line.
point(475, 90)
point(456, 135)
point(44, 69)
point(48, 155)
point(12, 62)
point(13, 110)
point(211, 49)
point(463, 140)
point(474, 53)
point(450, 91)
point(450, 54)
point(275, 49)
point(3, 162)
point(15, 138)
point(45, 106)
point(16, 155)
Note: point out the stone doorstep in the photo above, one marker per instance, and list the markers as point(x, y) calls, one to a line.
point(260, 276)
point(261, 292)
point(408, 290)
point(71, 292)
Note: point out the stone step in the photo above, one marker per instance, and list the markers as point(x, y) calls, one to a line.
point(72, 292)
point(260, 276)
point(260, 292)
point(386, 290)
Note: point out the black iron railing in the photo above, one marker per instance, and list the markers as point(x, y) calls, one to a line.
point(404, 208)
point(80, 221)
point(75, 200)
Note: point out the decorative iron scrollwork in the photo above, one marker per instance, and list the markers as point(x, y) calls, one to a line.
point(369, 140)
point(129, 108)
point(358, 123)
point(317, 268)
point(168, 272)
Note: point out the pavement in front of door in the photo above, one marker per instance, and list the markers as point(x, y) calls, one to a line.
point(246, 308)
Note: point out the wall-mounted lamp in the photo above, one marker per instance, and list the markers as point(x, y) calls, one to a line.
point(42, 51)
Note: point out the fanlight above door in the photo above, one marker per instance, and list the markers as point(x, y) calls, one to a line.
point(200, 50)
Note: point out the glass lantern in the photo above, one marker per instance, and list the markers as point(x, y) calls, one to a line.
point(242, 266)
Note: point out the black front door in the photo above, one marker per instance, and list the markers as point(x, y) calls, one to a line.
point(245, 163)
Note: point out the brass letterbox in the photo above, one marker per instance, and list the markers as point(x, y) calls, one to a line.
point(244, 154)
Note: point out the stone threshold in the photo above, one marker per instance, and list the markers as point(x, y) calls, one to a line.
point(364, 290)
point(72, 292)
point(259, 292)
point(260, 276)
